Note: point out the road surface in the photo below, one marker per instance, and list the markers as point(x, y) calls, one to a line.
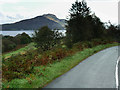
point(97, 71)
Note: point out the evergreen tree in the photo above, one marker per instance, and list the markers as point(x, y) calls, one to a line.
point(78, 28)
point(83, 25)
point(98, 27)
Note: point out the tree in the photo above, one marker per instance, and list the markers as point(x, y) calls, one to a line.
point(79, 9)
point(98, 27)
point(45, 38)
point(7, 45)
point(82, 25)
point(112, 32)
point(78, 28)
point(25, 38)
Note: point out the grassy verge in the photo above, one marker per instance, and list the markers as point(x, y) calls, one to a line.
point(43, 75)
point(20, 51)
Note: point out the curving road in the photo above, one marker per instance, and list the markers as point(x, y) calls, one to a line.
point(97, 71)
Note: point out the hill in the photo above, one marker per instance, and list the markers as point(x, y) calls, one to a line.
point(49, 20)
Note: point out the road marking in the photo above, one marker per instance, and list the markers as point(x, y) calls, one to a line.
point(116, 73)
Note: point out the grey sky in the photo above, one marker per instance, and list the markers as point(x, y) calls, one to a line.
point(15, 10)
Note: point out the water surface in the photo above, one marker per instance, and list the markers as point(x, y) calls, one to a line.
point(29, 32)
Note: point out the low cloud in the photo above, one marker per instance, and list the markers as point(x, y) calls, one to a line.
point(9, 19)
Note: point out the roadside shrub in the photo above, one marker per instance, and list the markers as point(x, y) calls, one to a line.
point(96, 41)
point(18, 66)
point(51, 56)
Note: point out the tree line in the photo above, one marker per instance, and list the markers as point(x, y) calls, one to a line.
point(9, 42)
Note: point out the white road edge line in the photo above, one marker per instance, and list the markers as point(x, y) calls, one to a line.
point(116, 73)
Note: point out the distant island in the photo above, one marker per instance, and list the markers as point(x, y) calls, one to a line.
point(35, 23)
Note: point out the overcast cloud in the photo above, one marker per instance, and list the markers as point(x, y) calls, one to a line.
point(16, 10)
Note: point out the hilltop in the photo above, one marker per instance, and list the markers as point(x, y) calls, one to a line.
point(49, 20)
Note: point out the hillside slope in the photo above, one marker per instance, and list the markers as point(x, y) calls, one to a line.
point(49, 20)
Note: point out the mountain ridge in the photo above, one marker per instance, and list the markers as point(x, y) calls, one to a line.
point(37, 22)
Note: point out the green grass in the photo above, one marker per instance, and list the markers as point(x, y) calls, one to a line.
point(43, 75)
point(20, 51)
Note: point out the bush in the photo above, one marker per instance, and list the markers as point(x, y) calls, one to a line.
point(25, 38)
point(68, 42)
point(7, 45)
point(9, 42)
point(53, 55)
point(45, 38)
point(18, 66)
point(16, 40)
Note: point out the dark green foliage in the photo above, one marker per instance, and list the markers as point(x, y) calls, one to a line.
point(84, 26)
point(79, 9)
point(17, 40)
point(68, 40)
point(112, 32)
point(25, 38)
point(98, 27)
point(46, 38)
point(9, 43)
point(79, 27)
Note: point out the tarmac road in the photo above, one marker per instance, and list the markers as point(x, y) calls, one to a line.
point(97, 71)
